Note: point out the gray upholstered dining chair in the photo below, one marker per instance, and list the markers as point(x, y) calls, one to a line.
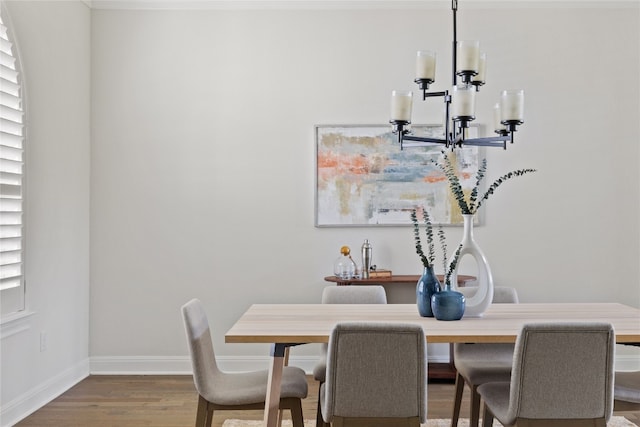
point(218, 390)
point(480, 363)
point(562, 376)
point(376, 375)
point(367, 294)
point(626, 391)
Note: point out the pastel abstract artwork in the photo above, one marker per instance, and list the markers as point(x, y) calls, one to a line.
point(364, 179)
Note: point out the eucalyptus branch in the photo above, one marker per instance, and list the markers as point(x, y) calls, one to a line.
point(452, 266)
point(471, 206)
point(416, 237)
point(429, 232)
point(499, 181)
point(454, 183)
point(474, 193)
point(443, 244)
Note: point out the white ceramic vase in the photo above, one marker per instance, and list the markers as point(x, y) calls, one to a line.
point(481, 300)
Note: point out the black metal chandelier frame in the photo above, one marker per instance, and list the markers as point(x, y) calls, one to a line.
point(454, 131)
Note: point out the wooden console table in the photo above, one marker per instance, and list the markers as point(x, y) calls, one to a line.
point(439, 371)
point(397, 278)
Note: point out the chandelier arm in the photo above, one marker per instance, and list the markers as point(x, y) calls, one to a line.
point(493, 141)
point(422, 144)
point(424, 139)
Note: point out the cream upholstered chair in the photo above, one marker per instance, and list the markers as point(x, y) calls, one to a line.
point(220, 390)
point(626, 391)
point(376, 375)
point(562, 376)
point(480, 363)
point(367, 294)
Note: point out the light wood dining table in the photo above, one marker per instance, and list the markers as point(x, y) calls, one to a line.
point(285, 325)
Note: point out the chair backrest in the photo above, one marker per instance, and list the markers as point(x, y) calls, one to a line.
point(376, 370)
point(367, 294)
point(501, 294)
point(563, 371)
point(203, 358)
point(505, 295)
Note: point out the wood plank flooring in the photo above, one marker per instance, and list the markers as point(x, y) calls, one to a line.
point(170, 401)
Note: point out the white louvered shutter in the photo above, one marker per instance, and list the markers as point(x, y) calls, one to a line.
point(11, 179)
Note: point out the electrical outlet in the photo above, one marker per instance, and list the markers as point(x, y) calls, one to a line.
point(43, 341)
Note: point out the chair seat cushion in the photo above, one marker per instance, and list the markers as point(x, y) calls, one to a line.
point(243, 388)
point(320, 369)
point(627, 386)
point(481, 363)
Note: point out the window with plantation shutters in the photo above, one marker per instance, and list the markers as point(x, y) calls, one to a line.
point(11, 177)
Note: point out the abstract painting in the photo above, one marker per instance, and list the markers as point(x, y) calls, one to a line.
point(364, 179)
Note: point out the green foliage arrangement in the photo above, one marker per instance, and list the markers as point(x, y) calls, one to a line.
point(427, 260)
point(471, 206)
point(448, 270)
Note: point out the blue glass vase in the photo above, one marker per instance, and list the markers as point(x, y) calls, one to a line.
point(448, 304)
point(427, 286)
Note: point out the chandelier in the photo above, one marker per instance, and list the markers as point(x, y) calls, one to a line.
point(469, 65)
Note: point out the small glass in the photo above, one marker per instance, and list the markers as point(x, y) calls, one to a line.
point(344, 267)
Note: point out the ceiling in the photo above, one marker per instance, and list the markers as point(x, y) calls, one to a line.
point(352, 4)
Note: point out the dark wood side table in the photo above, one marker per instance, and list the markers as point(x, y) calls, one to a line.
point(437, 371)
point(396, 278)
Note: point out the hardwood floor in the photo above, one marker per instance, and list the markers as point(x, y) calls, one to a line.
point(170, 401)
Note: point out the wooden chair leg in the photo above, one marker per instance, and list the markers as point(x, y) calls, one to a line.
point(286, 363)
point(474, 416)
point(457, 402)
point(487, 417)
point(202, 413)
point(296, 414)
point(209, 417)
point(319, 420)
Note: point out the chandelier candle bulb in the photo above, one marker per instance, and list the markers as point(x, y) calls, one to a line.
point(482, 69)
point(401, 102)
point(463, 101)
point(426, 65)
point(468, 55)
point(497, 119)
point(512, 105)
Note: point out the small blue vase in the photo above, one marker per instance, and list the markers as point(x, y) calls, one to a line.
point(428, 285)
point(448, 304)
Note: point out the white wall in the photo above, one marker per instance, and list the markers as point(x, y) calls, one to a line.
point(202, 167)
point(203, 157)
point(54, 43)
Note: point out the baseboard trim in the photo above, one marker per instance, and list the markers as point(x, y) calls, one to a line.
point(627, 363)
point(32, 400)
point(140, 365)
